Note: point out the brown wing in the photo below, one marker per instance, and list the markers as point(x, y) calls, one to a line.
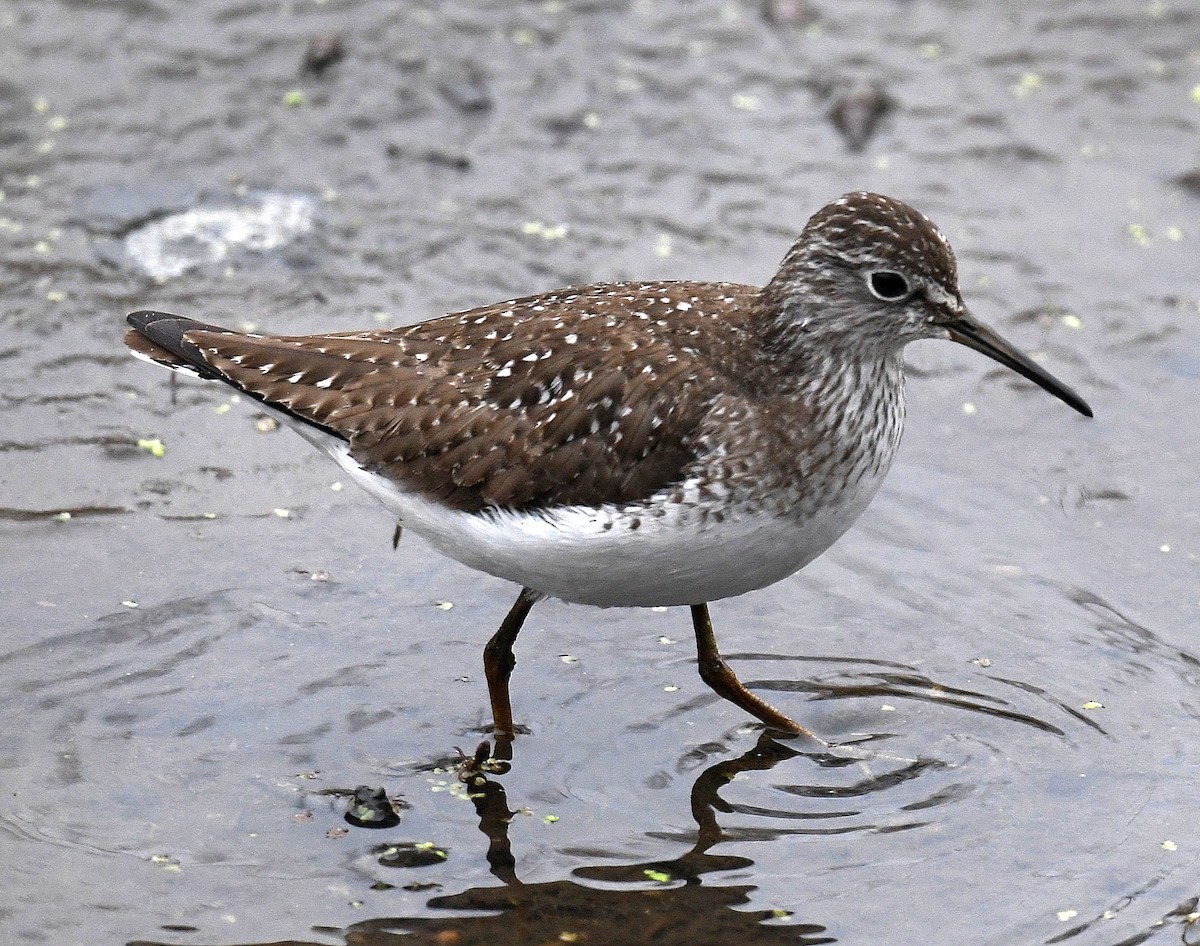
point(585, 396)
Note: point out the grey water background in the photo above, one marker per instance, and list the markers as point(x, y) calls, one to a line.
point(1010, 637)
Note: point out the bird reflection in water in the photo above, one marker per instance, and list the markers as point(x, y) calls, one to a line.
point(680, 909)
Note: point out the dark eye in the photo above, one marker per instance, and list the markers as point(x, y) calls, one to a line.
point(887, 285)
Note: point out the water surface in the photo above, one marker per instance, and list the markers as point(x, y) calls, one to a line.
point(216, 640)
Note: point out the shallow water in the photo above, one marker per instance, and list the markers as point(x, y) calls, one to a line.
point(1006, 648)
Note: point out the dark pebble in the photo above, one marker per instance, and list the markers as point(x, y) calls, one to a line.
point(371, 808)
point(856, 110)
point(322, 53)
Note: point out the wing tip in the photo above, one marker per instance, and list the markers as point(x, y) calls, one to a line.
point(161, 337)
point(145, 317)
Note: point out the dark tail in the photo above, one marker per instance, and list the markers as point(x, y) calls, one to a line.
point(159, 336)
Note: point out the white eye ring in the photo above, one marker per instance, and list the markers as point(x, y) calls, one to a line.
point(888, 285)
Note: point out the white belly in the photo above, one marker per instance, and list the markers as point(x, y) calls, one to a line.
point(595, 556)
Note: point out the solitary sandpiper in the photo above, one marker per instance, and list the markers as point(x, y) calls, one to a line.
point(628, 444)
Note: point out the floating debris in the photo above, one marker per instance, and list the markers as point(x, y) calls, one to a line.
point(166, 862)
point(173, 245)
point(544, 230)
point(856, 108)
point(408, 854)
point(323, 52)
point(153, 446)
point(1027, 84)
point(472, 768)
point(371, 808)
point(1141, 235)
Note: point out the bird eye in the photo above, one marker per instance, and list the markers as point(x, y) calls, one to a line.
point(887, 285)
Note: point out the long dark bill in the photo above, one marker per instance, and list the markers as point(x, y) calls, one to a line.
point(969, 331)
